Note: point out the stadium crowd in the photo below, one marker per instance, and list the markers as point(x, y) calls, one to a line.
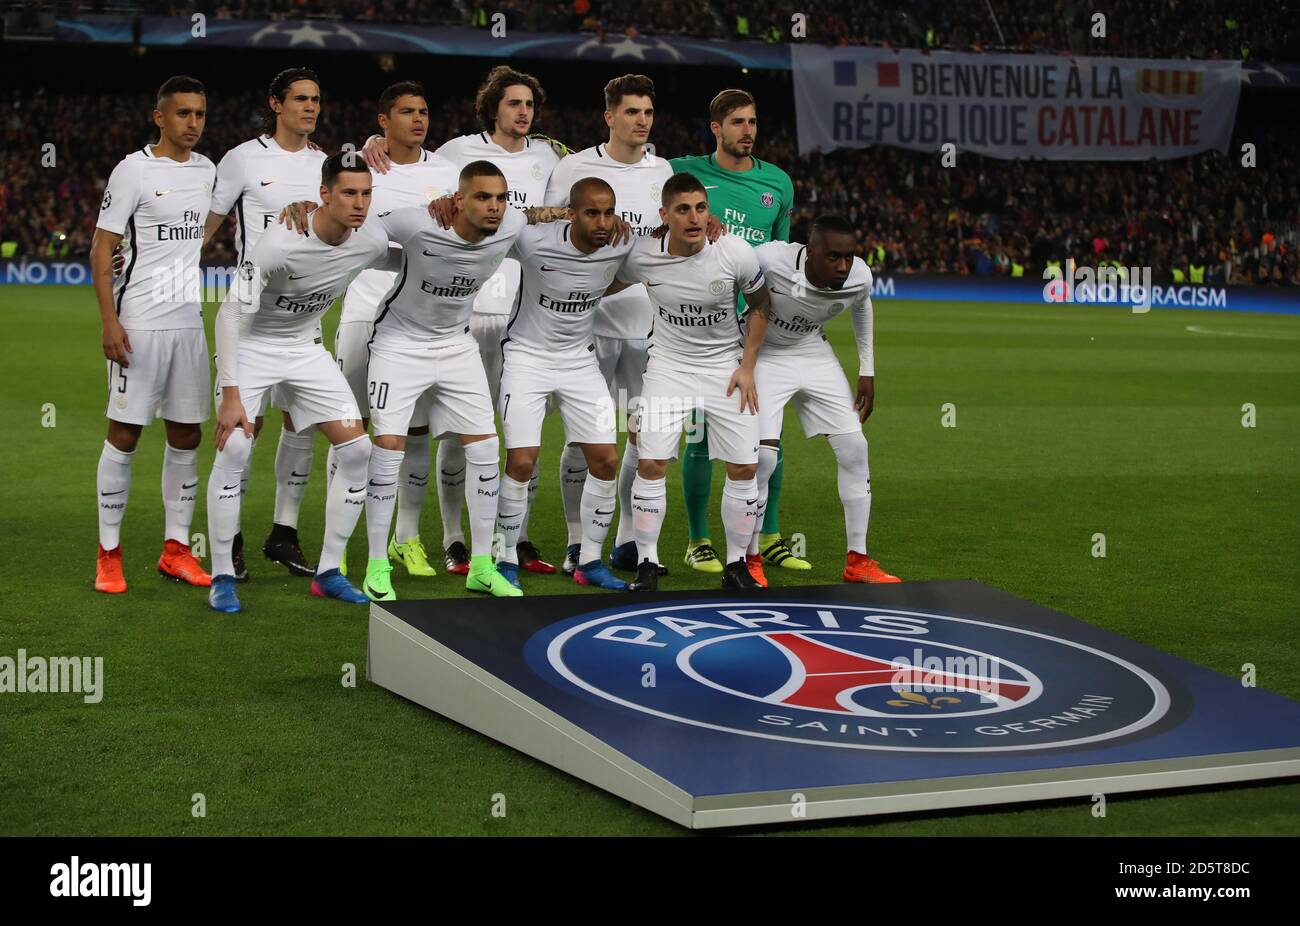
point(1204, 215)
point(1247, 29)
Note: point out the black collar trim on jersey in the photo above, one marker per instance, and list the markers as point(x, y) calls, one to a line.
point(145, 149)
point(263, 144)
point(799, 257)
point(663, 244)
point(565, 233)
point(486, 140)
point(424, 155)
point(598, 154)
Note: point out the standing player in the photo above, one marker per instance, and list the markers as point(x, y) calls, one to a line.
point(622, 320)
point(566, 267)
point(810, 286)
point(507, 105)
point(422, 342)
point(255, 180)
point(414, 177)
point(266, 337)
point(754, 200)
point(155, 201)
point(697, 363)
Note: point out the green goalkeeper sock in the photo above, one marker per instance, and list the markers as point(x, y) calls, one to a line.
point(772, 520)
point(697, 482)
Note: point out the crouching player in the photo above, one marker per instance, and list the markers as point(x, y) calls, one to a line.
point(267, 336)
point(811, 284)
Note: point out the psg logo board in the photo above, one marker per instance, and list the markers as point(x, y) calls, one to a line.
point(720, 709)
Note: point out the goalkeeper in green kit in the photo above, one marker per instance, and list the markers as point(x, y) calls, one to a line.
point(754, 200)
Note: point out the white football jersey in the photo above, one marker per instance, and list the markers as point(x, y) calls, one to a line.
point(559, 290)
point(291, 279)
point(695, 325)
point(257, 179)
point(404, 185)
point(527, 172)
point(159, 207)
point(441, 274)
point(801, 310)
point(638, 194)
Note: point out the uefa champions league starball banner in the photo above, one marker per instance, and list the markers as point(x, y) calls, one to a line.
point(1013, 106)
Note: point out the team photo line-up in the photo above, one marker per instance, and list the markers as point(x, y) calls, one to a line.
point(500, 275)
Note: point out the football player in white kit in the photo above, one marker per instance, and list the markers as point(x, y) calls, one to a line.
point(507, 104)
point(266, 337)
point(697, 362)
point(810, 285)
point(414, 177)
point(422, 342)
point(548, 349)
point(622, 320)
point(254, 181)
point(155, 201)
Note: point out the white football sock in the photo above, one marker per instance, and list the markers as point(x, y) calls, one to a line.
point(766, 466)
point(739, 505)
point(510, 516)
point(344, 501)
point(331, 466)
point(180, 480)
point(225, 497)
point(293, 457)
point(573, 480)
point(626, 476)
point(412, 484)
point(854, 480)
point(482, 483)
point(528, 506)
point(598, 505)
point(381, 494)
point(244, 477)
point(451, 489)
point(648, 504)
point(113, 483)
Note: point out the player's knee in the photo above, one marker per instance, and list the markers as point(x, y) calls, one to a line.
point(184, 437)
point(851, 452)
point(353, 457)
point(603, 461)
point(487, 452)
point(652, 469)
point(123, 436)
point(234, 456)
point(390, 441)
point(741, 472)
point(520, 463)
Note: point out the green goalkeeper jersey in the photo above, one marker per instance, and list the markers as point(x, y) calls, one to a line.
point(754, 204)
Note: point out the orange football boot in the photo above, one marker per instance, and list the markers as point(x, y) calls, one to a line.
point(177, 562)
point(108, 571)
point(862, 568)
point(754, 563)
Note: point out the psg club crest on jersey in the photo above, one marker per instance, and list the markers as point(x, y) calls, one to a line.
point(537, 171)
point(717, 287)
point(850, 676)
point(768, 199)
point(655, 191)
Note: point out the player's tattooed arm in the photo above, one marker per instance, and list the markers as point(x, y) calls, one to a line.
point(538, 214)
point(759, 302)
point(117, 344)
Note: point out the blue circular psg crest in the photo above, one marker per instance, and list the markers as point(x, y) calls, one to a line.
point(850, 676)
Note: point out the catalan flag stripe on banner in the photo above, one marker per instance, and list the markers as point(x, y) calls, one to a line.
point(1171, 81)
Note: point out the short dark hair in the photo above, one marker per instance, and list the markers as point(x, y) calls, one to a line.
point(341, 162)
point(627, 85)
point(727, 102)
point(388, 99)
point(479, 169)
point(681, 183)
point(835, 224)
point(279, 89)
point(178, 84)
point(488, 98)
point(585, 187)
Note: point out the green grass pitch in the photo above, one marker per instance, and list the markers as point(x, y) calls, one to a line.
point(1070, 421)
